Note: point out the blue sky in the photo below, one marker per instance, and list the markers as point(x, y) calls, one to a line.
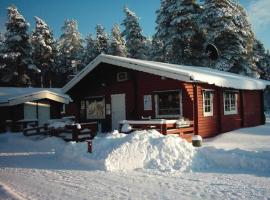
point(88, 13)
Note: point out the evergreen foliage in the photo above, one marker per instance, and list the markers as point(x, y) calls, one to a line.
point(89, 52)
point(16, 51)
point(178, 31)
point(101, 45)
point(44, 51)
point(226, 26)
point(135, 41)
point(117, 43)
point(70, 46)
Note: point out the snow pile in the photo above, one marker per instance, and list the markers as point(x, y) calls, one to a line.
point(149, 150)
point(139, 150)
point(146, 150)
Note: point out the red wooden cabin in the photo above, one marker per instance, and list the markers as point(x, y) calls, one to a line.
point(111, 89)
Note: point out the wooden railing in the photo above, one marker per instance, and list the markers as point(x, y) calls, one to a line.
point(73, 132)
point(83, 131)
point(165, 127)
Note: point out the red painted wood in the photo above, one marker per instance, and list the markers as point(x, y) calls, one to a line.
point(207, 126)
point(253, 111)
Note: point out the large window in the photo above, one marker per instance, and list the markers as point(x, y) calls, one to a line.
point(168, 104)
point(230, 102)
point(93, 108)
point(207, 103)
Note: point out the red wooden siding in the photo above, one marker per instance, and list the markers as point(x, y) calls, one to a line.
point(207, 126)
point(232, 121)
point(148, 84)
point(252, 113)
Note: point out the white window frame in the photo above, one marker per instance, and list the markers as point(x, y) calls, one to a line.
point(230, 112)
point(210, 113)
point(120, 78)
point(180, 104)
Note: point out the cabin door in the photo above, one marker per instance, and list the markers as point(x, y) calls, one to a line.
point(118, 102)
point(30, 111)
point(43, 113)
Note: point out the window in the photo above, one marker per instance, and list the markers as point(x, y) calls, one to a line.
point(168, 104)
point(207, 103)
point(122, 76)
point(95, 108)
point(230, 102)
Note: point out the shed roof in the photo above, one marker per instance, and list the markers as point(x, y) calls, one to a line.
point(178, 72)
point(10, 96)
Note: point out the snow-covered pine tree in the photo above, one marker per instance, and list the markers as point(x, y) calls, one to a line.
point(2, 39)
point(89, 51)
point(16, 51)
point(185, 37)
point(117, 45)
point(161, 47)
point(70, 46)
point(101, 40)
point(261, 60)
point(148, 47)
point(157, 50)
point(44, 51)
point(226, 27)
point(135, 41)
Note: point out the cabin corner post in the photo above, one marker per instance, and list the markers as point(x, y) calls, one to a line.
point(263, 117)
point(195, 108)
point(242, 107)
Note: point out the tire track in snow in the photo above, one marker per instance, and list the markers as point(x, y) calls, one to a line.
point(8, 194)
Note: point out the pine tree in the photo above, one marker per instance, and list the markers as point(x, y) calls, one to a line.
point(16, 51)
point(117, 45)
point(178, 32)
point(261, 60)
point(89, 52)
point(157, 50)
point(101, 40)
point(70, 46)
point(44, 51)
point(226, 26)
point(162, 49)
point(135, 41)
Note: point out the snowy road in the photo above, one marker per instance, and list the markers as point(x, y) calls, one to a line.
point(53, 169)
point(69, 184)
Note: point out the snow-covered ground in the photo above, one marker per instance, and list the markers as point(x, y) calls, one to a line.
point(141, 165)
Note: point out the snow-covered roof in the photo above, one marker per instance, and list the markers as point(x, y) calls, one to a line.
point(10, 96)
point(178, 72)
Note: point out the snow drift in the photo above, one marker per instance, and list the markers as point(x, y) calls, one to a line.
point(144, 150)
point(150, 150)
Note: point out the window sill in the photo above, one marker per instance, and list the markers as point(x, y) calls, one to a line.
point(167, 116)
point(208, 114)
point(230, 113)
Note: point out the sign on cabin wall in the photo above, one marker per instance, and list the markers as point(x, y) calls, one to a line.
point(95, 108)
point(147, 102)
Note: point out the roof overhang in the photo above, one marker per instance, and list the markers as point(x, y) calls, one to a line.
point(148, 68)
point(177, 72)
point(61, 98)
